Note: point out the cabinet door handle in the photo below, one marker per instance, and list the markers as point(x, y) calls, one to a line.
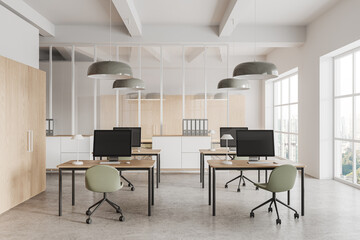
point(30, 141)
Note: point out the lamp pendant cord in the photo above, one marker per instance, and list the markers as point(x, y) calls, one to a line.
point(255, 37)
point(110, 33)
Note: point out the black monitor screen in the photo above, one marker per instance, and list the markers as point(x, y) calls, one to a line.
point(232, 132)
point(255, 143)
point(109, 143)
point(136, 135)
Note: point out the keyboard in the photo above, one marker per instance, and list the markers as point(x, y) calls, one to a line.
point(109, 162)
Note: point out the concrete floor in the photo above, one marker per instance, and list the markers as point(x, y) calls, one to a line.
point(181, 212)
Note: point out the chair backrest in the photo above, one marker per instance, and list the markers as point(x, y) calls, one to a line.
point(102, 178)
point(282, 178)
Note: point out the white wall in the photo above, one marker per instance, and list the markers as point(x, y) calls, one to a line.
point(19, 40)
point(332, 30)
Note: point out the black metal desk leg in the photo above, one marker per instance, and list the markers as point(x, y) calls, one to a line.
point(209, 185)
point(258, 175)
point(200, 167)
point(152, 185)
point(159, 165)
point(157, 171)
point(73, 187)
point(60, 192)
point(302, 193)
point(288, 196)
point(203, 170)
point(266, 176)
point(149, 192)
point(214, 193)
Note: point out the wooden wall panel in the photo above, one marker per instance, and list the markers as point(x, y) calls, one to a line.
point(172, 125)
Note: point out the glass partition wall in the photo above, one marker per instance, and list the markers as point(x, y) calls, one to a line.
point(181, 82)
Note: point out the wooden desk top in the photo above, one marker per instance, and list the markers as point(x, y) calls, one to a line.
point(144, 151)
point(217, 151)
point(244, 164)
point(90, 163)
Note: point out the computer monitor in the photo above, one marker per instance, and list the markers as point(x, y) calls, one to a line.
point(136, 135)
point(110, 143)
point(232, 132)
point(255, 143)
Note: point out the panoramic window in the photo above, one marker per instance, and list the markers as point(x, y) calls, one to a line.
point(286, 117)
point(347, 116)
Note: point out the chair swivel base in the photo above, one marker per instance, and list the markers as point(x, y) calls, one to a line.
point(98, 204)
point(273, 200)
point(241, 178)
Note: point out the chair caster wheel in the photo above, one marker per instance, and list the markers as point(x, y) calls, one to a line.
point(256, 188)
point(244, 184)
point(226, 186)
point(296, 215)
point(88, 221)
point(129, 185)
point(238, 190)
point(270, 209)
point(132, 188)
point(252, 214)
point(278, 221)
point(121, 218)
point(88, 212)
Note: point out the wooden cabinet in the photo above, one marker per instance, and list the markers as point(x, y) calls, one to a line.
point(22, 132)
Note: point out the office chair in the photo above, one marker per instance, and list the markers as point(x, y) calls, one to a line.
point(132, 187)
point(241, 177)
point(281, 179)
point(103, 179)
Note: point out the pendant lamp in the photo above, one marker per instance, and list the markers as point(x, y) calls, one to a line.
point(132, 83)
point(255, 70)
point(233, 84)
point(109, 70)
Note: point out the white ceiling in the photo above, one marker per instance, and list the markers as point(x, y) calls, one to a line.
point(195, 12)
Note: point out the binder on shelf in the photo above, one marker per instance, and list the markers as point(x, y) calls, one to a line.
point(195, 127)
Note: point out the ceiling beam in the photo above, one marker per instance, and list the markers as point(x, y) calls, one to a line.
point(65, 52)
point(155, 52)
point(129, 15)
point(192, 55)
point(24, 11)
point(228, 22)
point(267, 35)
point(222, 54)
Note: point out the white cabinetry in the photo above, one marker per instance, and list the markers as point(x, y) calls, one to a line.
point(180, 151)
point(60, 149)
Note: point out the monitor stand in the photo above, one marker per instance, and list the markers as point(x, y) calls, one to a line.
point(113, 159)
point(254, 158)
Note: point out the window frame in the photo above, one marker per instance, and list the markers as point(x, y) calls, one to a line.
point(280, 106)
point(338, 164)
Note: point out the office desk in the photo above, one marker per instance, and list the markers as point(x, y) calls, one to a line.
point(207, 152)
point(244, 165)
point(146, 165)
point(150, 152)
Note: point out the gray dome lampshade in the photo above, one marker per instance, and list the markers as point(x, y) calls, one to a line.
point(109, 70)
point(255, 71)
point(132, 83)
point(233, 84)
